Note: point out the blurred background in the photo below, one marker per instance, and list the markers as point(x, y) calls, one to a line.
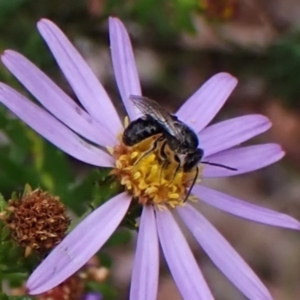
point(178, 44)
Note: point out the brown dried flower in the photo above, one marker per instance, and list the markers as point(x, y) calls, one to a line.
point(221, 10)
point(74, 287)
point(71, 289)
point(38, 221)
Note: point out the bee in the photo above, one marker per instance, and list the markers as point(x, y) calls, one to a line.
point(171, 132)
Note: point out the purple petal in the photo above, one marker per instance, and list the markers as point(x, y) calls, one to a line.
point(93, 296)
point(180, 259)
point(79, 245)
point(203, 105)
point(55, 100)
point(51, 129)
point(124, 65)
point(81, 78)
point(244, 159)
point(223, 255)
point(226, 134)
point(144, 280)
point(244, 209)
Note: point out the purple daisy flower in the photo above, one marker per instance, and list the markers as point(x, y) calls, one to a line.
point(62, 122)
point(93, 296)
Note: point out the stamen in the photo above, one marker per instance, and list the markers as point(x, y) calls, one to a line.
point(150, 190)
point(118, 164)
point(110, 150)
point(134, 154)
point(193, 198)
point(148, 177)
point(137, 175)
point(173, 196)
point(126, 122)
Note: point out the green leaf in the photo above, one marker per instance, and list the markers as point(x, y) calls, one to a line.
point(96, 188)
point(3, 203)
point(8, 7)
point(104, 288)
point(20, 298)
point(14, 266)
point(120, 237)
point(4, 234)
point(105, 259)
point(5, 297)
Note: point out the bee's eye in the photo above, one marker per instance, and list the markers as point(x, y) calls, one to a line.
point(185, 145)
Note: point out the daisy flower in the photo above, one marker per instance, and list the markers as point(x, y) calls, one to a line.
point(93, 296)
point(86, 131)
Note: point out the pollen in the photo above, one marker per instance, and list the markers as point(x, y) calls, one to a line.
point(150, 177)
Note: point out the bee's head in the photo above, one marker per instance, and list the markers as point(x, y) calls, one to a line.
point(184, 143)
point(189, 141)
point(192, 159)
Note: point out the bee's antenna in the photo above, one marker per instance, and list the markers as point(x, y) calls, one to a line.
point(192, 185)
point(218, 165)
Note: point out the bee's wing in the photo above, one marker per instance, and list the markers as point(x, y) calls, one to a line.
point(153, 109)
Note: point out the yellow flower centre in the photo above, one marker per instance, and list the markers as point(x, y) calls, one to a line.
point(149, 178)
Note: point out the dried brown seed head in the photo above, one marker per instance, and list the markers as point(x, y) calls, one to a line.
point(71, 289)
point(38, 221)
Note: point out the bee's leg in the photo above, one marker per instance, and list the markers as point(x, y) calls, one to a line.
point(149, 151)
point(177, 168)
point(164, 158)
point(162, 167)
point(192, 185)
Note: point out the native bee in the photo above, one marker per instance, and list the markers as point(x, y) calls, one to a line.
point(172, 132)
